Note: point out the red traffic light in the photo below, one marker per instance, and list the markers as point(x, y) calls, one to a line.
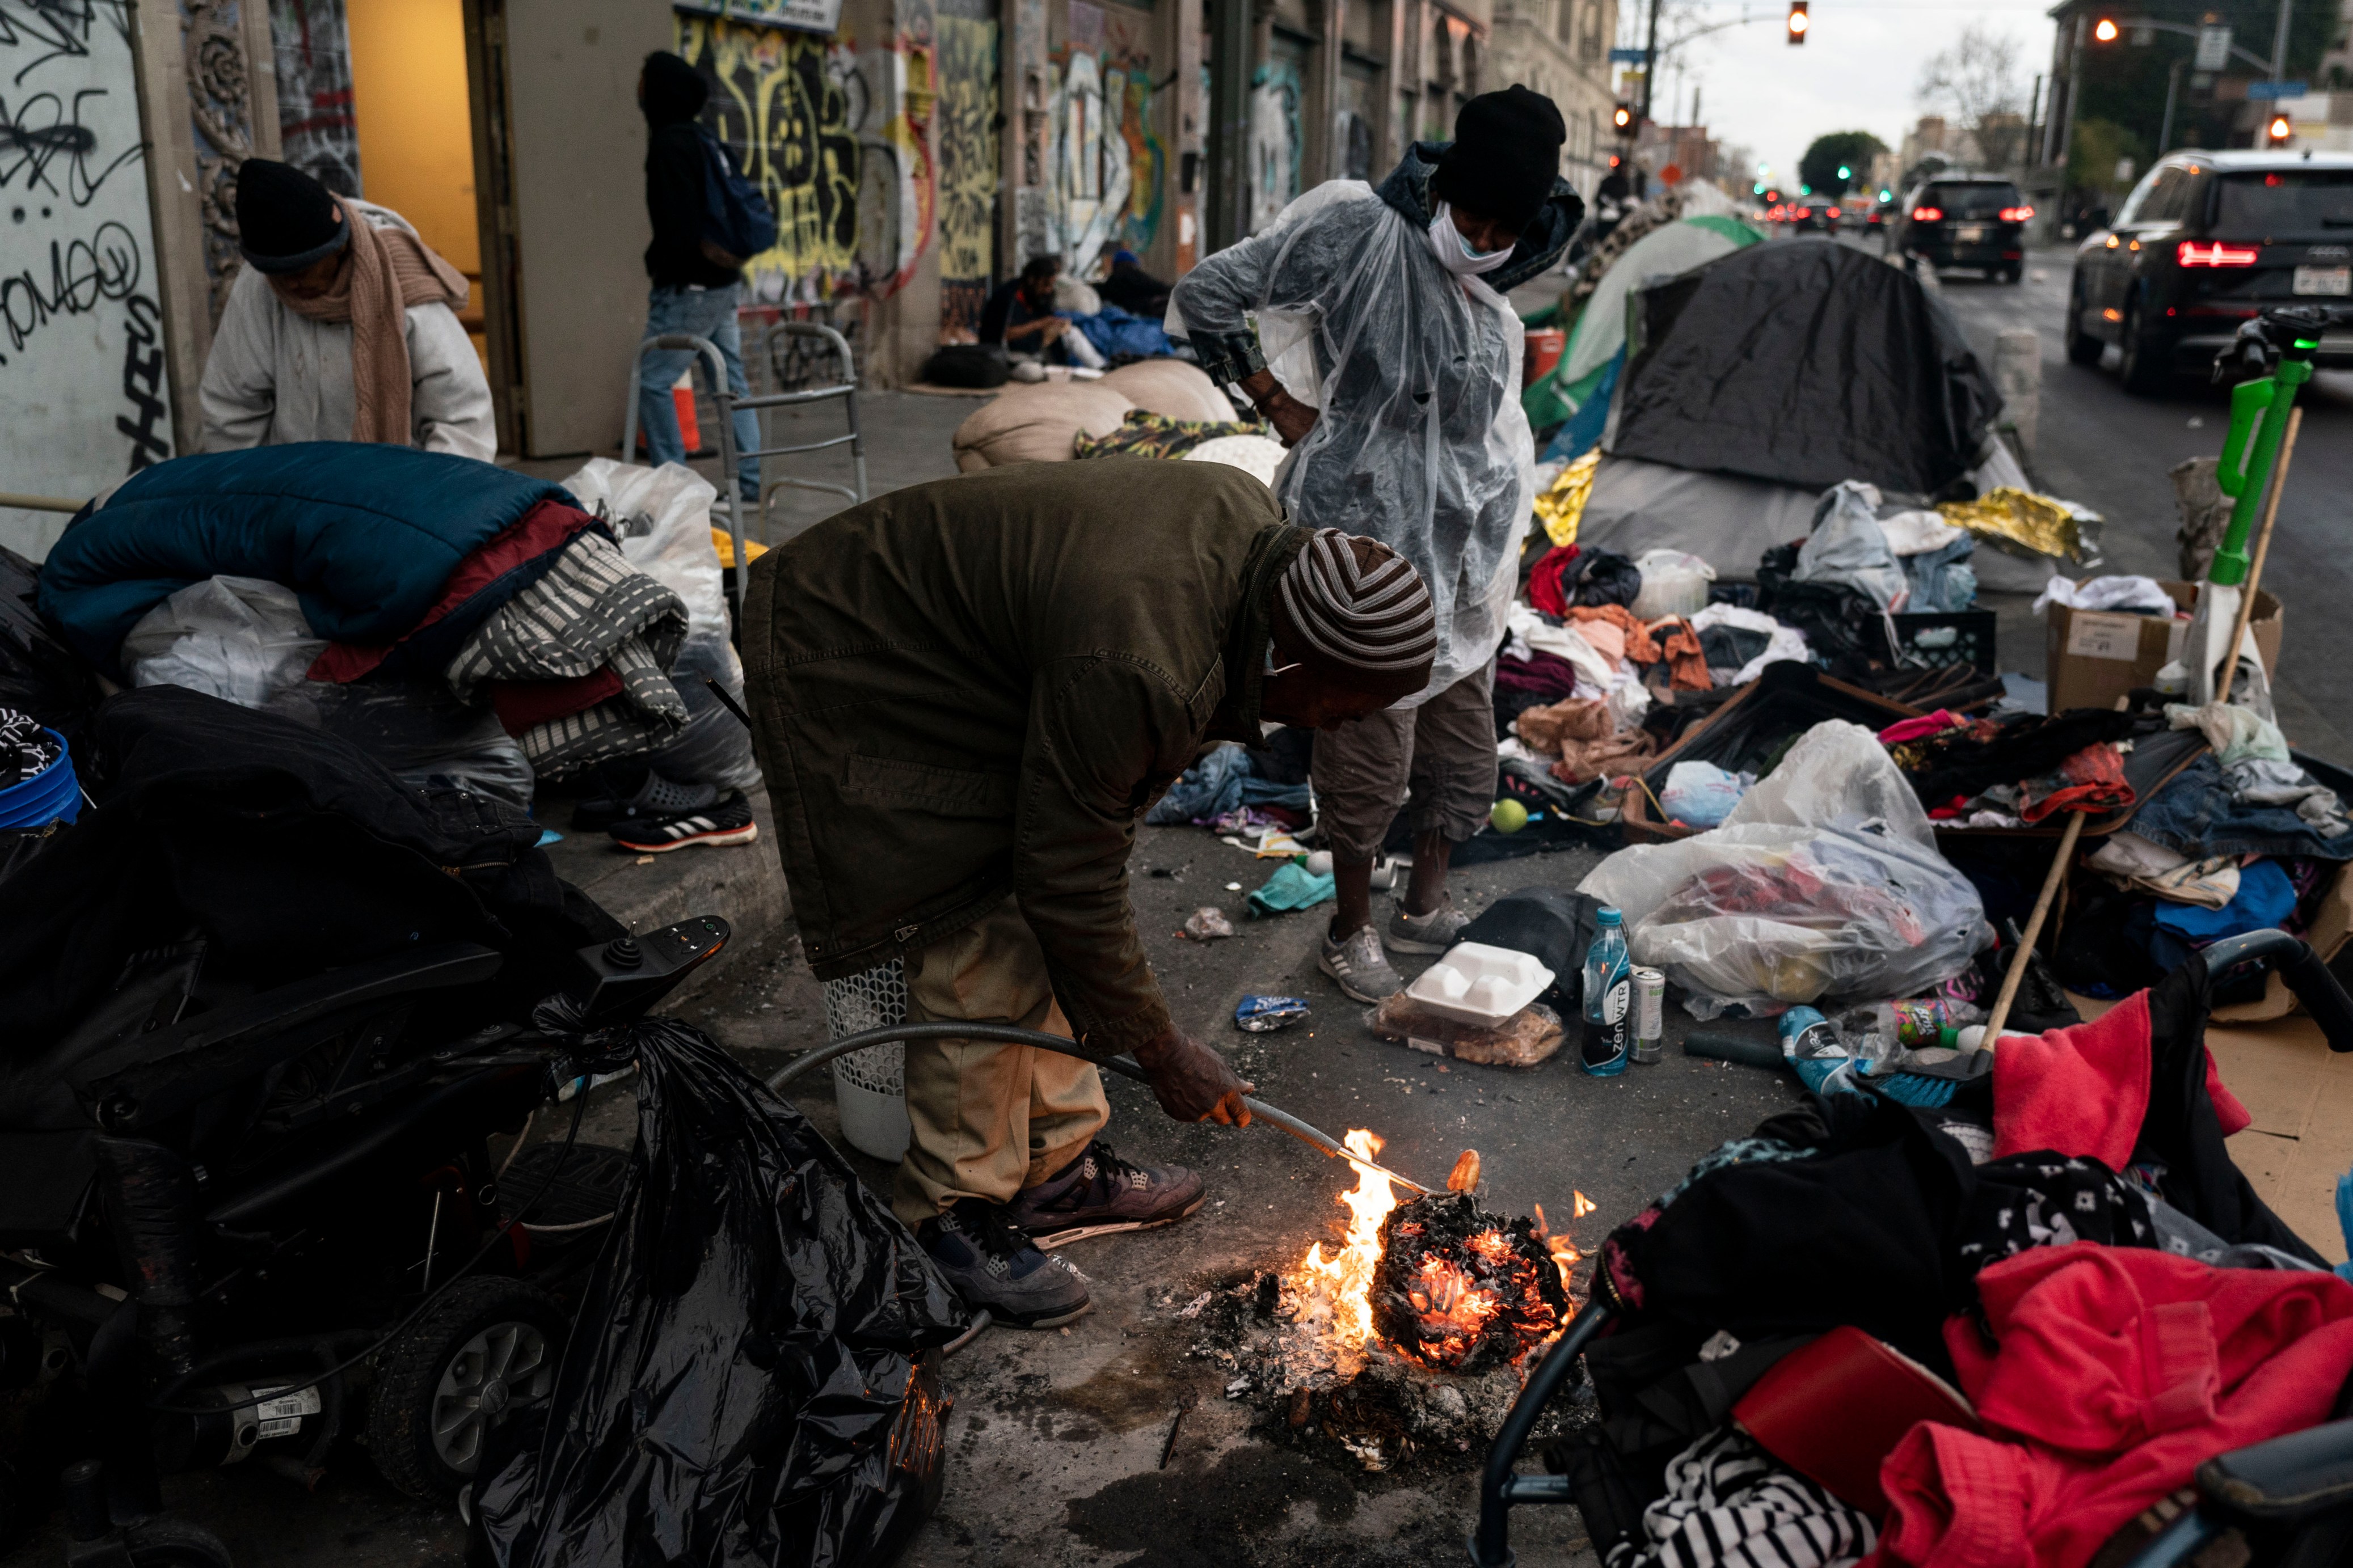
point(1798, 21)
point(2105, 30)
point(2278, 132)
point(1623, 117)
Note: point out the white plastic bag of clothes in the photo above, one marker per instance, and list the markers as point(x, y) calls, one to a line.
point(662, 517)
point(1848, 546)
point(1823, 881)
point(1421, 442)
point(242, 640)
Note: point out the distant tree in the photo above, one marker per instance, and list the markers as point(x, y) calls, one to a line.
point(2104, 158)
point(1974, 85)
point(1850, 149)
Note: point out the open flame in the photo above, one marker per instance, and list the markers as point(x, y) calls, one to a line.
point(1346, 1278)
point(1453, 1304)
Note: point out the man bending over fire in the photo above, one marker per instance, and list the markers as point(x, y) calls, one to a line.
point(966, 694)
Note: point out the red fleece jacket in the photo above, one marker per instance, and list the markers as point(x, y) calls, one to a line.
point(2114, 1371)
point(2083, 1091)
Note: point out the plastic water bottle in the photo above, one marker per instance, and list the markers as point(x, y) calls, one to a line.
point(1811, 1046)
point(1608, 999)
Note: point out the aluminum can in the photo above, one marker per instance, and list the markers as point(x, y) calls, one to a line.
point(1650, 1015)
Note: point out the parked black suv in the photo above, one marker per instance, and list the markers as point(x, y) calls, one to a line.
point(1965, 221)
point(2202, 243)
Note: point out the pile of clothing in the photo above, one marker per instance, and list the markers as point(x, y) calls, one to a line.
point(460, 623)
point(1991, 1332)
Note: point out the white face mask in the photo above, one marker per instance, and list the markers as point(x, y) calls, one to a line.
point(1454, 252)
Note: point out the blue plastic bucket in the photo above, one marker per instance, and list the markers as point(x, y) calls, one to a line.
point(53, 795)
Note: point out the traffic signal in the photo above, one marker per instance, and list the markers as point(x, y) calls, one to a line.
point(2277, 132)
point(2105, 29)
point(1798, 21)
point(1623, 117)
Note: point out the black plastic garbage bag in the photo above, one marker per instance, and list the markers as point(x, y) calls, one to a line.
point(751, 1381)
point(38, 673)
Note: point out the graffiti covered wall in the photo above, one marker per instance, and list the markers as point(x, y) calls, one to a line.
point(1106, 161)
point(315, 124)
point(83, 394)
point(1274, 149)
point(964, 132)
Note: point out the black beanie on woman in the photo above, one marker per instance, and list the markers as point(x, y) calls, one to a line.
point(285, 219)
point(1504, 157)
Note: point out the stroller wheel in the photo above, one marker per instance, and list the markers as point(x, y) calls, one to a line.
point(485, 1350)
point(169, 1543)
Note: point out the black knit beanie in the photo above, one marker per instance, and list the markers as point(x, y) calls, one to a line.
point(285, 219)
point(1504, 157)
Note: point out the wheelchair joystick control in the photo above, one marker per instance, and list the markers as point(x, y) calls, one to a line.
point(623, 952)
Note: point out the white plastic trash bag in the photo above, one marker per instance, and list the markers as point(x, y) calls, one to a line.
point(1823, 881)
point(662, 517)
point(242, 640)
point(1848, 546)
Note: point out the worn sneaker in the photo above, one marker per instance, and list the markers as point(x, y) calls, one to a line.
point(1436, 932)
point(729, 821)
point(994, 1265)
point(1099, 1193)
point(1357, 964)
point(654, 796)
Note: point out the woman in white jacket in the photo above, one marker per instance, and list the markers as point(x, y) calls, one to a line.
point(342, 327)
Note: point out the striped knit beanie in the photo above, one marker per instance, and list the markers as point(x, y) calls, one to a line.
point(1373, 617)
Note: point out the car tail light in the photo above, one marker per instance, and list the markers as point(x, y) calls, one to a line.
point(2016, 215)
point(1928, 215)
point(2189, 253)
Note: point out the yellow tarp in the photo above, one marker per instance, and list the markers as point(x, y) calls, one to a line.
point(1560, 508)
point(2040, 524)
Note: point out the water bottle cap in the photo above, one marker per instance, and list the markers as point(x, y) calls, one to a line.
point(1609, 917)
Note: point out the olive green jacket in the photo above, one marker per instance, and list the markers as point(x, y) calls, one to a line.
point(976, 687)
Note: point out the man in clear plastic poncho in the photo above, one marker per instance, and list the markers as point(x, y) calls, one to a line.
point(1369, 327)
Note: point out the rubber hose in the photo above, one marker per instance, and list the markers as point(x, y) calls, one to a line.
point(1315, 1138)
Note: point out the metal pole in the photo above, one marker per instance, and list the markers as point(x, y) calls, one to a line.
point(2172, 87)
point(1230, 74)
point(1650, 66)
point(2032, 156)
point(2279, 41)
point(2074, 92)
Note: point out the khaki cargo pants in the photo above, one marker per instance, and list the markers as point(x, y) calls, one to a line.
point(989, 1121)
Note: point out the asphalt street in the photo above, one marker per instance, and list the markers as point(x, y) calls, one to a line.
point(2110, 450)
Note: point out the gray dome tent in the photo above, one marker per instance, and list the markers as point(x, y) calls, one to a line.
point(1804, 363)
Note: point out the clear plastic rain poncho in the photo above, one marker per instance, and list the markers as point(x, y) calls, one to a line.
point(1420, 442)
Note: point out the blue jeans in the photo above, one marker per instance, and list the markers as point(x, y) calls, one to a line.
point(703, 313)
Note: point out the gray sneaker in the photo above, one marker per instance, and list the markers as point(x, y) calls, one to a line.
point(1436, 932)
point(1359, 966)
point(993, 1265)
point(1099, 1193)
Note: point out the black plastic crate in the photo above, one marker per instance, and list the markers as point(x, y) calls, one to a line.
point(1936, 639)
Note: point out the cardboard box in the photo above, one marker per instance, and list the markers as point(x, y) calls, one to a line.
point(2096, 655)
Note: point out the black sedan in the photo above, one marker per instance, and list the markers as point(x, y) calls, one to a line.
point(1817, 213)
point(1965, 222)
point(2205, 241)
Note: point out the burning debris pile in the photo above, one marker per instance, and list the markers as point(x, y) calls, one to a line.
point(1459, 1290)
point(1416, 1330)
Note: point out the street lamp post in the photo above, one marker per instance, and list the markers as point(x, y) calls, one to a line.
point(2172, 87)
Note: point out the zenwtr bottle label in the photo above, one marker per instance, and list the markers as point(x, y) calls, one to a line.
point(1606, 1038)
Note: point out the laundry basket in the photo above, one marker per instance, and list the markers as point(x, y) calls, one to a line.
point(869, 1086)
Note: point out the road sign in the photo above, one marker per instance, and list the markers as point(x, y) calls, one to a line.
point(1635, 57)
point(2270, 91)
point(2213, 49)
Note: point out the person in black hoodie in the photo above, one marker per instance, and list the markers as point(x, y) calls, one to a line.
point(696, 285)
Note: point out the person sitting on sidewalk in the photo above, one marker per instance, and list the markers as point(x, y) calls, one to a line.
point(966, 694)
point(1419, 443)
point(1020, 315)
point(342, 326)
point(696, 286)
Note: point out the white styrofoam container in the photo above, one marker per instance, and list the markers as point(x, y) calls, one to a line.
point(1475, 983)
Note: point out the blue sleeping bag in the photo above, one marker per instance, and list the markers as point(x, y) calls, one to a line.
point(365, 534)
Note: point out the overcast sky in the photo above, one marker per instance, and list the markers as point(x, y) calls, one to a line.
point(1857, 71)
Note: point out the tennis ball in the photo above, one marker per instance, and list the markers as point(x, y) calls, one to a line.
point(1508, 816)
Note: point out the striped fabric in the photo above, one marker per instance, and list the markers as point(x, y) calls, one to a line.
point(1375, 617)
point(1730, 1505)
point(591, 609)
